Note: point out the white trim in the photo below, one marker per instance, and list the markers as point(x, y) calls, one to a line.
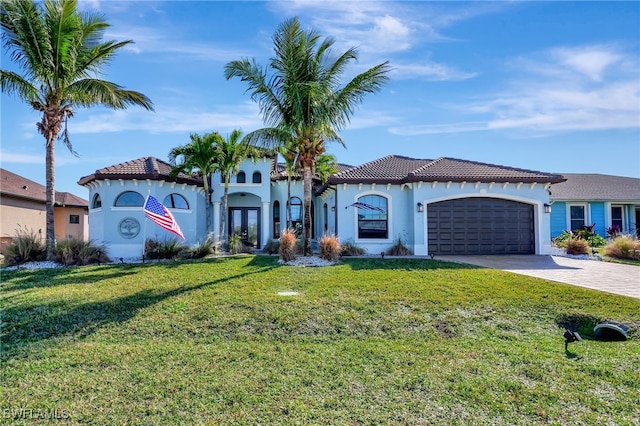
point(624, 227)
point(587, 213)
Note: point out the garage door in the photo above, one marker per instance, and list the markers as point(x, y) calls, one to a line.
point(480, 226)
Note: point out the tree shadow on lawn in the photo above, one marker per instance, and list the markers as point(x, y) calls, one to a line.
point(23, 280)
point(405, 263)
point(23, 326)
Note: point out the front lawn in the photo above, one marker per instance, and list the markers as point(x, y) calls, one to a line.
point(370, 341)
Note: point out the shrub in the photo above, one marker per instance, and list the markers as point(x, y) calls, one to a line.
point(76, 251)
point(167, 249)
point(398, 249)
point(561, 240)
point(271, 247)
point(201, 249)
point(329, 246)
point(349, 248)
point(623, 247)
point(26, 246)
point(596, 241)
point(287, 249)
point(577, 246)
point(234, 244)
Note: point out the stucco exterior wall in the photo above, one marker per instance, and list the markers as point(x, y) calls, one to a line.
point(65, 229)
point(406, 223)
point(21, 214)
point(124, 229)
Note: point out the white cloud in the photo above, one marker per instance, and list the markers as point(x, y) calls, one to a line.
point(591, 61)
point(561, 89)
point(429, 71)
point(165, 120)
point(13, 157)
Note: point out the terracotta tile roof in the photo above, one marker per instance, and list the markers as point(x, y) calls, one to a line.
point(453, 169)
point(596, 187)
point(141, 168)
point(398, 169)
point(389, 169)
point(13, 185)
point(279, 171)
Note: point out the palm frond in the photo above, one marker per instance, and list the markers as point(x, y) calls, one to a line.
point(90, 91)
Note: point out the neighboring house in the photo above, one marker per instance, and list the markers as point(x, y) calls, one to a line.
point(604, 200)
point(442, 206)
point(23, 206)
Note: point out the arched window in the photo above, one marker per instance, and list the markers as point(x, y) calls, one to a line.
point(296, 213)
point(96, 203)
point(372, 217)
point(129, 199)
point(241, 177)
point(176, 201)
point(257, 177)
point(325, 214)
point(276, 219)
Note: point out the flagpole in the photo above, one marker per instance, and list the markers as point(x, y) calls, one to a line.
point(144, 232)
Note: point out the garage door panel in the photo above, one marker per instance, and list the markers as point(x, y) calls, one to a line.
point(480, 226)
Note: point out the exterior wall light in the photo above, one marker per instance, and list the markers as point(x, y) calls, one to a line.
point(420, 207)
point(547, 208)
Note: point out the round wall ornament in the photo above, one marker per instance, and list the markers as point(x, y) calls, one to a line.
point(129, 227)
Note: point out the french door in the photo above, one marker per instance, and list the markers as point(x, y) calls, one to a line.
point(245, 221)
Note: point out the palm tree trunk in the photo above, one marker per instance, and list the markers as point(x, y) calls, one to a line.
point(307, 210)
point(51, 196)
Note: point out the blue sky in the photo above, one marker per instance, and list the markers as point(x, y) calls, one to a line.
point(549, 86)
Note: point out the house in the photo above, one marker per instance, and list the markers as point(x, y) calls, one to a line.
point(604, 200)
point(441, 206)
point(23, 206)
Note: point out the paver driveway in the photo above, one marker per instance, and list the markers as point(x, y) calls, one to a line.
point(604, 276)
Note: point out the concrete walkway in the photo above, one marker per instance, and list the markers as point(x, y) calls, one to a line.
point(603, 276)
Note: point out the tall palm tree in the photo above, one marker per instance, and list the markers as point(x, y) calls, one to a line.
point(61, 53)
point(198, 155)
point(229, 155)
point(300, 96)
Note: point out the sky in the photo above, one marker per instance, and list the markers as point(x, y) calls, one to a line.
point(546, 86)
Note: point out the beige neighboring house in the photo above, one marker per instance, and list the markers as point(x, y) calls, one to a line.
point(23, 206)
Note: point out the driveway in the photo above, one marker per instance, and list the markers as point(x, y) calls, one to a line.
point(603, 276)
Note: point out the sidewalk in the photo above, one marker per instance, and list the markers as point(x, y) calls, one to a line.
point(603, 276)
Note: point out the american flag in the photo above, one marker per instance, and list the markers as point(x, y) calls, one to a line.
point(161, 216)
point(364, 206)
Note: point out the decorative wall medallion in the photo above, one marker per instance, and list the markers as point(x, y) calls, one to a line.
point(129, 227)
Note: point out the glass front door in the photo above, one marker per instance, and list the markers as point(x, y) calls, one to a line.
point(245, 221)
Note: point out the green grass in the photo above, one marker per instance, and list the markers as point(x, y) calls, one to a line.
point(370, 341)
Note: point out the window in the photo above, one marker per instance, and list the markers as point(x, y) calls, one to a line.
point(325, 214)
point(241, 178)
point(175, 201)
point(97, 202)
point(74, 218)
point(276, 219)
point(129, 199)
point(296, 213)
point(257, 177)
point(577, 217)
point(372, 217)
point(616, 217)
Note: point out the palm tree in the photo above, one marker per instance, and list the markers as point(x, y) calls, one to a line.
point(229, 155)
point(61, 53)
point(300, 97)
point(326, 165)
point(198, 155)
